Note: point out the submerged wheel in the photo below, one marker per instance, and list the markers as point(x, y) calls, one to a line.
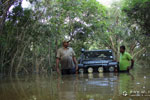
point(100, 69)
point(111, 69)
point(90, 70)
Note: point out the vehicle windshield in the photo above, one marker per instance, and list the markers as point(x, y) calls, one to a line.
point(98, 55)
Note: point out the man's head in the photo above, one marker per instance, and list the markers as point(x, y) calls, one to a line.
point(122, 49)
point(65, 43)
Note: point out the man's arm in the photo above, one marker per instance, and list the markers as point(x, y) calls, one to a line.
point(129, 57)
point(57, 65)
point(132, 64)
point(76, 63)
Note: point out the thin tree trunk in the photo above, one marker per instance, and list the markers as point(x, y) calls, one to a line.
point(20, 61)
point(56, 44)
point(143, 49)
point(12, 62)
point(113, 45)
point(49, 55)
point(37, 65)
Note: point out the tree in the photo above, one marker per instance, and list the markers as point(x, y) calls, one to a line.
point(138, 16)
point(32, 37)
point(5, 6)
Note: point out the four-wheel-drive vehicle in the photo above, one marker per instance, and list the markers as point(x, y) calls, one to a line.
point(97, 61)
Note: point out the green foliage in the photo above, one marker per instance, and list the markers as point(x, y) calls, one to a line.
point(32, 36)
point(137, 11)
point(138, 17)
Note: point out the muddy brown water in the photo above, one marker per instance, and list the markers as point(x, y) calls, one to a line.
point(98, 86)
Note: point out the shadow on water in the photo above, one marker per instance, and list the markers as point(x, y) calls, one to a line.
point(99, 86)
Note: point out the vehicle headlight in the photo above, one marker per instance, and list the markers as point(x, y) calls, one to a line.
point(100, 69)
point(111, 69)
point(81, 70)
point(90, 70)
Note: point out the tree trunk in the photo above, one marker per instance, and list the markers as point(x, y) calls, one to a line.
point(49, 55)
point(20, 60)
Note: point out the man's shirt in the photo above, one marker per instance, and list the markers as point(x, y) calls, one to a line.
point(125, 61)
point(65, 56)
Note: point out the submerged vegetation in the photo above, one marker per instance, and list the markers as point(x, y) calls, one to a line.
point(30, 37)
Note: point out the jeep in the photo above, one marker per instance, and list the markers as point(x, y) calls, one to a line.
point(97, 61)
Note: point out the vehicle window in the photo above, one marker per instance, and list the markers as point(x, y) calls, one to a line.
point(98, 55)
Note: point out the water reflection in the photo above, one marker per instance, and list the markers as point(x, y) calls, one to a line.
point(125, 80)
point(99, 86)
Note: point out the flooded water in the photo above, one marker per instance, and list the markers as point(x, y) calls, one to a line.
point(98, 86)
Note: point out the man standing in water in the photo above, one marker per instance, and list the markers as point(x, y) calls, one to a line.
point(126, 61)
point(66, 56)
